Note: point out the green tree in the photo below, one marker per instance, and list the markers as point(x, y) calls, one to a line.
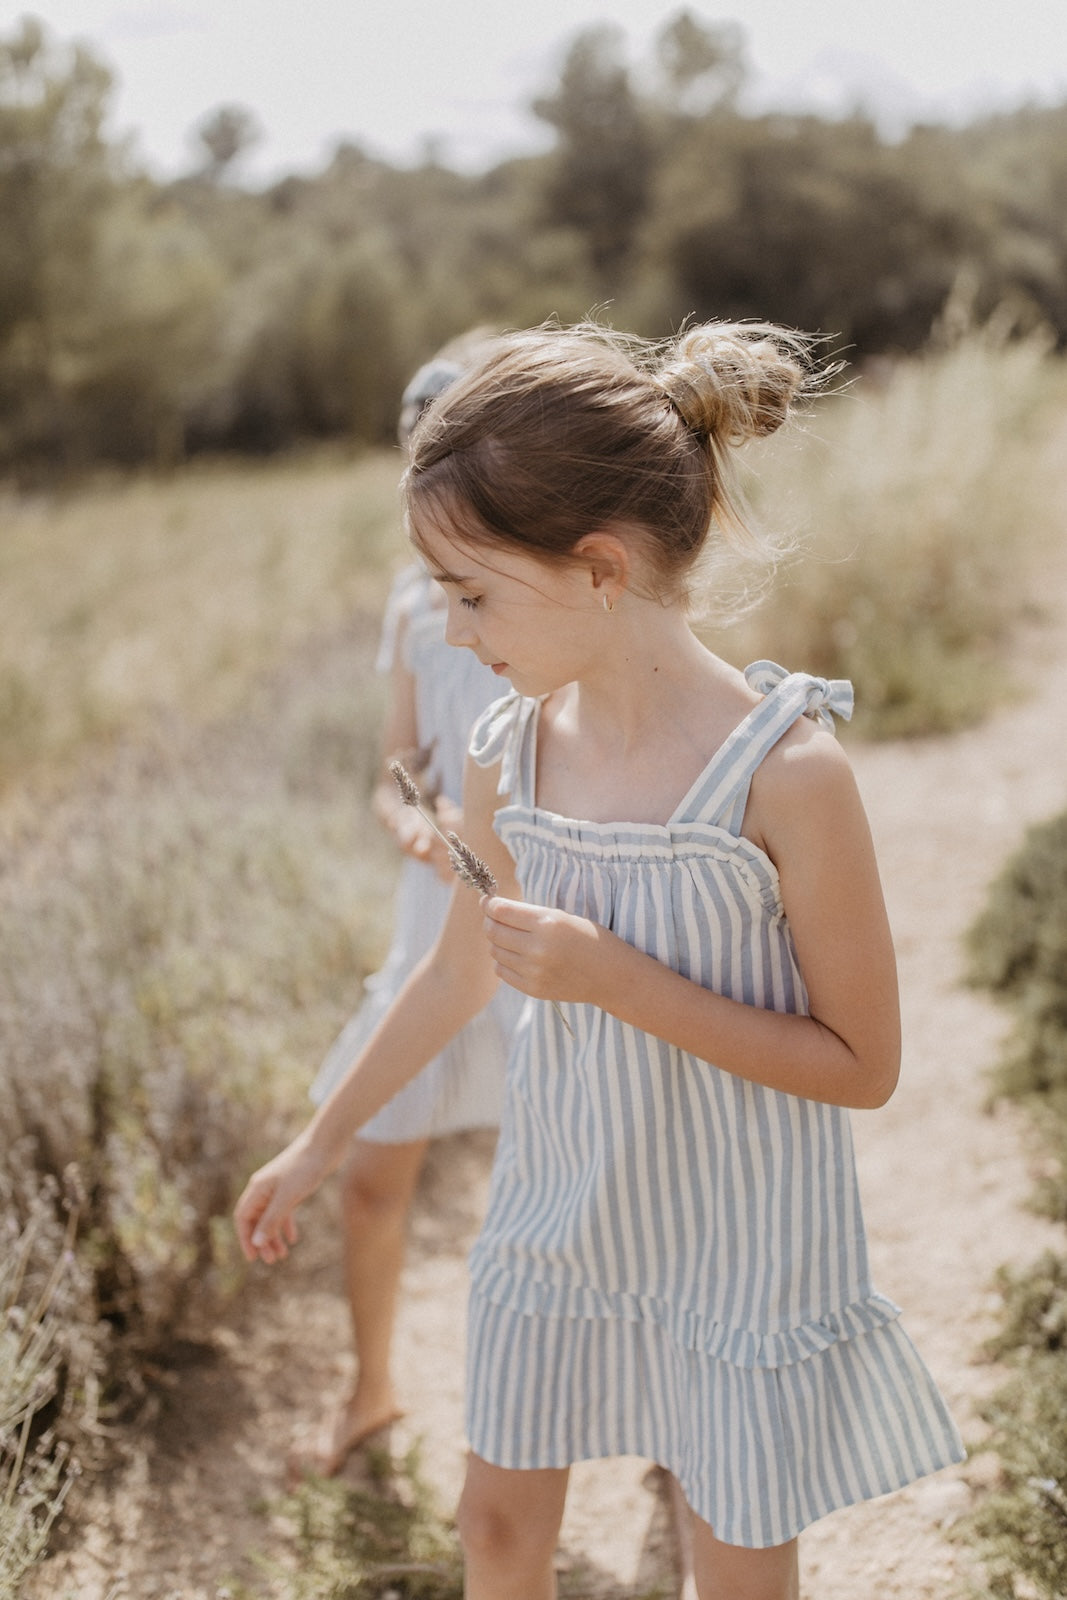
point(225, 134)
point(703, 65)
point(1016, 169)
point(56, 173)
point(145, 348)
point(598, 182)
point(812, 223)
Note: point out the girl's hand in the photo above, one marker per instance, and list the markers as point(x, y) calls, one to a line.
point(263, 1215)
point(549, 954)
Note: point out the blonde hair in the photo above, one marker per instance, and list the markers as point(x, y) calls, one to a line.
point(555, 432)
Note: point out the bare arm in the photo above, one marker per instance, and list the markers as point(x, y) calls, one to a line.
point(448, 987)
point(806, 813)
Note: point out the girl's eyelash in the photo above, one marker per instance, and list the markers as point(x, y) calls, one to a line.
point(470, 601)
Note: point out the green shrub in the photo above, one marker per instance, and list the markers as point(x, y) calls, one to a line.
point(365, 1542)
point(1035, 1309)
point(1021, 1526)
point(1018, 950)
point(384, 1539)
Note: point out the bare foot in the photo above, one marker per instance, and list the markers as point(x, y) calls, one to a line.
point(346, 1427)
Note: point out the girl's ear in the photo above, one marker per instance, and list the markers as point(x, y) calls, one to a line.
point(608, 561)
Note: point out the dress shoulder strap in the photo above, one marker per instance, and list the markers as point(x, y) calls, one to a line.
point(506, 733)
point(721, 794)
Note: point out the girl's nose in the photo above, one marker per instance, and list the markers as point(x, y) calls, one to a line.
point(458, 628)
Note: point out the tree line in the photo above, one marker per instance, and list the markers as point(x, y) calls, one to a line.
point(143, 321)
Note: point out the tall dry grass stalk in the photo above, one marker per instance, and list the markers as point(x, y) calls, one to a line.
point(926, 499)
point(51, 1364)
point(468, 867)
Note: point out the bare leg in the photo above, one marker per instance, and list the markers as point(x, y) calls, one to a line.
point(377, 1185)
point(509, 1524)
point(682, 1517)
point(730, 1572)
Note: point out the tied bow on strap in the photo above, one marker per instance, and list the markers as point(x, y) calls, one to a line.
point(824, 695)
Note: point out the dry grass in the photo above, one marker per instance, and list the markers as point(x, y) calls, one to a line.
point(173, 594)
point(51, 1357)
point(184, 930)
point(178, 945)
point(924, 500)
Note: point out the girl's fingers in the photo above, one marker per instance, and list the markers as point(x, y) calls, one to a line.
point(269, 1243)
point(503, 938)
point(511, 913)
point(264, 1230)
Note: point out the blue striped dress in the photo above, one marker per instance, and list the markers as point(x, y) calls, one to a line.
point(673, 1263)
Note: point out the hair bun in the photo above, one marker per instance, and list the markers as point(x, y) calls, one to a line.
point(734, 381)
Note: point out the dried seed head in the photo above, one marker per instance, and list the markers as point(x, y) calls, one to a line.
point(409, 789)
point(469, 867)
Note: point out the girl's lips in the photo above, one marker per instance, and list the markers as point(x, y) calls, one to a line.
point(500, 668)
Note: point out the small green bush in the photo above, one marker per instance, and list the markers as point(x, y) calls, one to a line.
point(366, 1542)
point(1035, 1309)
point(1018, 950)
point(1021, 1526)
point(384, 1539)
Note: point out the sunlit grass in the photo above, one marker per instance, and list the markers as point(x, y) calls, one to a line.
point(154, 594)
point(926, 500)
point(182, 932)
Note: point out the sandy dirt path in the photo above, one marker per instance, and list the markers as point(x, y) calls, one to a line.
point(945, 1187)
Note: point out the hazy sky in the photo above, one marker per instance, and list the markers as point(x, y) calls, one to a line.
point(387, 73)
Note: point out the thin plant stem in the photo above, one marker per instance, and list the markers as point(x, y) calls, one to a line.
point(467, 866)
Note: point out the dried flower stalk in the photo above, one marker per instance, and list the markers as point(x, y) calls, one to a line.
point(417, 761)
point(409, 789)
point(467, 866)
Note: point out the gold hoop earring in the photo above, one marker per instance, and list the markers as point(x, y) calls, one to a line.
point(609, 604)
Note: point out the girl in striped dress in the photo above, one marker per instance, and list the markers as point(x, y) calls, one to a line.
point(673, 1264)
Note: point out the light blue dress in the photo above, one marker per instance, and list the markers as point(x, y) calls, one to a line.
point(462, 1087)
point(673, 1263)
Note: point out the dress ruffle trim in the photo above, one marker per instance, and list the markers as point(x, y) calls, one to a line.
point(741, 1347)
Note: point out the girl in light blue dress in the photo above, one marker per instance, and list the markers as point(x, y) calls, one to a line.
point(673, 1263)
point(435, 694)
